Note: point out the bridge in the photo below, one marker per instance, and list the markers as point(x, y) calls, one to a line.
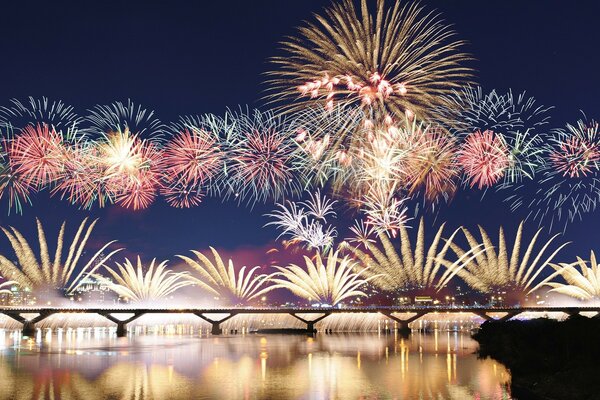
point(211, 315)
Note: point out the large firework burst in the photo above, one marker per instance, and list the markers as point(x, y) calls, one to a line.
point(138, 285)
point(46, 273)
point(330, 283)
point(394, 60)
point(496, 270)
point(236, 288)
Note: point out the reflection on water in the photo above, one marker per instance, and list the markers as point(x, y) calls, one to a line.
point(91, 364)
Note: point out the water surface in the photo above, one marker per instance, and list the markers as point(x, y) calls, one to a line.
point(93, 364)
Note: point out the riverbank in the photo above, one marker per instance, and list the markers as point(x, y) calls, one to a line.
point(548, 359)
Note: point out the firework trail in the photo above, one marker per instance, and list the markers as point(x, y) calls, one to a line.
point(56, 114)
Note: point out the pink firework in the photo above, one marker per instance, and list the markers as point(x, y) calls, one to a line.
point(484, 158)
point(577, 155)
point(38, 154)
point(193, 156)
point(179, 195)
point(263, 163)
point(138, 193)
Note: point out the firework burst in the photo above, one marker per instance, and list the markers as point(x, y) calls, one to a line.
point(495, 270)
point(137, 285)
point(394, 61)
point(569, 182)
point(329, 283)
point(583, 284)
point(121, 117)
point(48, 273)
point(55, 114)
point(262, 158)
point(412, 268)
point(484, 158)
point(235, 288)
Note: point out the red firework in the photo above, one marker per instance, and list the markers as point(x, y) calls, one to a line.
point(484, 158)
point(38, 154)
point(193, 156)
point(577, 155)
point(179, 195)
point(262, 163)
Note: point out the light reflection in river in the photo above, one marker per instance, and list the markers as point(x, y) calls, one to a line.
point(93, 364)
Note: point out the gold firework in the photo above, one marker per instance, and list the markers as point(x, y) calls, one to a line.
point(584, 284)
point(412, 267)
point(395, 61)
point(330, 283)
point(51, 273)
point(493, 270)
point(223, 282)
point(138, 285)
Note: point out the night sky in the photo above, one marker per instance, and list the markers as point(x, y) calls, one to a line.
point(181, 57)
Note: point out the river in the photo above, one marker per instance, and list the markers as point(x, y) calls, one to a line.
point(94, 364)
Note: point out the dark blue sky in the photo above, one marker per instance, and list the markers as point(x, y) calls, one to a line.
point(182, 57)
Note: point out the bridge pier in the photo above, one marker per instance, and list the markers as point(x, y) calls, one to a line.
point(28, 324)
point(504, 318)
point(216, 325)
point(310, 324)
point(121, 324)
point(403, 323)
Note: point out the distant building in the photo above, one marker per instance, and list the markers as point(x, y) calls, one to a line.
point(93, 290)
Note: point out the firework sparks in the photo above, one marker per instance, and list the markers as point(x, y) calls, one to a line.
point(412, 268)
point(55, 114)
point(329, 283)
point(38, 154)
point(236, 288)
point(484, 159)
point(495, 269)
point(137, 285)
point(394, 61)
point(583, 284)
point(47, 273)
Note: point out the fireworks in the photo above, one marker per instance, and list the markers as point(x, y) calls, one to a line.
point(494, 269)
point(55, 114)
point(568, 186)
point(262, 157)
point(329, 283)
point(48, 273)
point(412, 268)
point(235, 288)
point(119, 117)
point(38, 155)
point(136, 285)
point(308, 227)
point(484, 159)
point(395, 61)
point(584, 284)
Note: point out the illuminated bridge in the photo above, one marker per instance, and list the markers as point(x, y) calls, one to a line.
point(31, 315)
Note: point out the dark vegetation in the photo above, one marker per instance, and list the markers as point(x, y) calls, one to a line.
point(548, 359)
